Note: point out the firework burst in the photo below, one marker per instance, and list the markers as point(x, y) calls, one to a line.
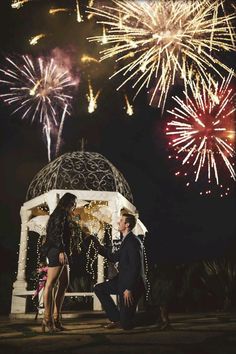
point(203, 133)
point(39, 90)
point(163, 40)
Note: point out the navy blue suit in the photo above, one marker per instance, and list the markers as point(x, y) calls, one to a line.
point(131, 276)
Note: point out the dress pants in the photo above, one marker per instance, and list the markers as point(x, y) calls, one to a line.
point(125, 314)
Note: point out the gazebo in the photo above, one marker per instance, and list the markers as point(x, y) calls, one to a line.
point(91, 177)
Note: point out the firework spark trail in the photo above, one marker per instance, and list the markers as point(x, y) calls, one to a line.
point(57, 10)
point(34, 40)
point(129, 108)
point(165, 40)
point(60, 130)
point(38, 89)
point(202, 133)
point(92, 99)
point(88, 59)
point(16, 4)
point(47, 133)
point(78, 13)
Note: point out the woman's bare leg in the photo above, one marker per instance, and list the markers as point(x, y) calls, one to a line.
point(61, 290)
point(52, 277)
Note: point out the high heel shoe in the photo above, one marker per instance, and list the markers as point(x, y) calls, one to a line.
point(58, 325)
point(47, 326)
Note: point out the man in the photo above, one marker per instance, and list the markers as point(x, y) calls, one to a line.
point(130, 282)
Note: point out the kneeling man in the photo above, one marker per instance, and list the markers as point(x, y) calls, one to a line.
point(130, 282)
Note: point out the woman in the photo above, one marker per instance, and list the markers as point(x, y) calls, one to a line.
point(57, 249)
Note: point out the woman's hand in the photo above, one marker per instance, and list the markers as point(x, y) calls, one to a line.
point(62, 258)
point(128, 298)
point(91, 238)
point(96, 242)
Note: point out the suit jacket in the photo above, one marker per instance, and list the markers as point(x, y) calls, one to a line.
point(131, 267)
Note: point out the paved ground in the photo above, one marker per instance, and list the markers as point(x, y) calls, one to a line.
point(192, 334)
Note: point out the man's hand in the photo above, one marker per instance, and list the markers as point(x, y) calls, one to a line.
point(128, 298)
point(62, 258)
point(89, 238)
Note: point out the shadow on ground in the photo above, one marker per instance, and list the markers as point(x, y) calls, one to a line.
point(190, 334)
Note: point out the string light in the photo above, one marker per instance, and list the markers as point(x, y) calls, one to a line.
point(146, 274)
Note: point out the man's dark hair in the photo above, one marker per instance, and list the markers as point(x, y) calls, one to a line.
point(130, 219)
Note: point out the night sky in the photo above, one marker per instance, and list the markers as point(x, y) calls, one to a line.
point(182, 225)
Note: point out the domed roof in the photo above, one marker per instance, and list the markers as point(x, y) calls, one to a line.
point(79, 171)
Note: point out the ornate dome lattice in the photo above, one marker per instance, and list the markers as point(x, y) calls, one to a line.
point(79, 171)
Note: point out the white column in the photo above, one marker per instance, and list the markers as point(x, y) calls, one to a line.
point(20, 286)
point(52, 200)
point(100, 277)
point(115, 207)
point(100, 274)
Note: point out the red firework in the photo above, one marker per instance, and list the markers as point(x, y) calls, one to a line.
point(202, 134)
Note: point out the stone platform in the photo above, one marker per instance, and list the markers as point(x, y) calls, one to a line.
point(208, 333)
